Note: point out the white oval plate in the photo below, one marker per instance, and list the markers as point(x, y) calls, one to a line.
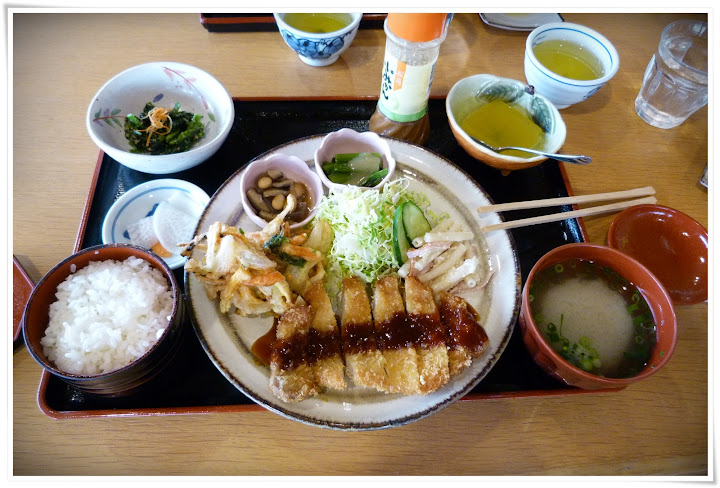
point(140, 200)
point(519, 21)
point(228, 343)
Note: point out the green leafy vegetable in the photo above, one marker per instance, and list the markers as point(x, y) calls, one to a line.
point(158, 131)
point(274, 244)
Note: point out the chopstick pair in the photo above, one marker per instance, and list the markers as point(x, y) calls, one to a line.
point(646, 194)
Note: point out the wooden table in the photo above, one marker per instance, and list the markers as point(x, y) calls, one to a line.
point(657, 427)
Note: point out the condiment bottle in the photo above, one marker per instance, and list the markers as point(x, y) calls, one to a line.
point(411, 52)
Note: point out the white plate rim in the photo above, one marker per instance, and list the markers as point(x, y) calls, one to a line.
point(540, 18)
point(140, 190)
point(206, 329)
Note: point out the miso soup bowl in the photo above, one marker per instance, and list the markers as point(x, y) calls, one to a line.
point(470, 93)
point(126, 380)
point(649, 286)
point(562, 91)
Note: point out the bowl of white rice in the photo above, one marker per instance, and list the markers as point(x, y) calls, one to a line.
point(106, 319)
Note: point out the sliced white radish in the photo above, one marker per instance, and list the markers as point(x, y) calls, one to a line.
point(142, 233)
point(173, 226)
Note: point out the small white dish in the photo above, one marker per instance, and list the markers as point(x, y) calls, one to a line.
point(163, 83)
point(520, 21)
point(293, 168)
point(142, 200)
point(349, 141)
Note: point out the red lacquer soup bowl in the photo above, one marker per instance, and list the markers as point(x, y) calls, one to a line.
point(672, 245)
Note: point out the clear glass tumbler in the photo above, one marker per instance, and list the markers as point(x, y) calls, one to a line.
point(676, 80)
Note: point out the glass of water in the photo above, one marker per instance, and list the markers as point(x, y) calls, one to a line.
point(676, 79)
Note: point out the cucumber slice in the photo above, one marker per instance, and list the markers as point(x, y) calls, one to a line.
point(414, 221)
point(366, 163)
point(400, 240)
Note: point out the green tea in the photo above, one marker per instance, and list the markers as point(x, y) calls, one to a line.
point(318, 23)
point(568, 59)
point(499, 123)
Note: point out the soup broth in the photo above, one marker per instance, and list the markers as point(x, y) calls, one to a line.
point(593, 317)
point(319, 23)
point(568, 59)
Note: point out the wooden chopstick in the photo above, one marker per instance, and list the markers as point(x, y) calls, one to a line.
point(549, 202)
point(541, 219)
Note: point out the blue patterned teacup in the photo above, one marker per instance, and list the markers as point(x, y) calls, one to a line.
point(318, 49)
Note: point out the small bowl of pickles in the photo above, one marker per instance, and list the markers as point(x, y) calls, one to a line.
point(503, 112)
point(350, 158)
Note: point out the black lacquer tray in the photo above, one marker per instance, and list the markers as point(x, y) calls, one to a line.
point(192, 384)
point(264, 22)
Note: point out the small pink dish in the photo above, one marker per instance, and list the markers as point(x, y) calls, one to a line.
point(672, 245)
point(350, 141)
point(292, 168)
point(627, 269)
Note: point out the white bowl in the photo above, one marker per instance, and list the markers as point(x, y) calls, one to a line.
point(349, 141)
point(560, 90)
point(163, 83)
point(292, 167)
point(462, 100)
point(318, 49)
point(141, 200)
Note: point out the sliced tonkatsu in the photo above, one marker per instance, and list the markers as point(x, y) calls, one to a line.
point(431, 347)
point(324, 347)
point(396, 337)
point(291, 378)
point(466, 338)
point(364, 361)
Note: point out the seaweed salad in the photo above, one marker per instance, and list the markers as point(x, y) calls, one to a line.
point(159, 131)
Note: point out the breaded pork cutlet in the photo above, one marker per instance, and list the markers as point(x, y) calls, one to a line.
point(363, 359)
point(291, 378)
point(431, 346)
point(396, 337)
point(324, 344)
point(466, 338)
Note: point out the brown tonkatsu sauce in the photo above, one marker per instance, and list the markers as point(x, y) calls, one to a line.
point(289, 353)
point(462, 326)
point(430, 329)
point(262, 347)
point(397, 333)
point(358, 338)
point(322, 345)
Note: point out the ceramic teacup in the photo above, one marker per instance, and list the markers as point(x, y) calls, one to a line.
point(561, 90)
point(318, 48)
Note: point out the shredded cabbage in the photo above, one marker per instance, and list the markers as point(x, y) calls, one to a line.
point(362, 221)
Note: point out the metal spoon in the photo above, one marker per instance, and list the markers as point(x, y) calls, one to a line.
point(567, 158)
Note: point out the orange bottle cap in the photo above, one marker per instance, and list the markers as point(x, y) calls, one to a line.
point(416, 27)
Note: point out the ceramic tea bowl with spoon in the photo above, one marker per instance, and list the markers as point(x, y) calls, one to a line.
point(470, 94)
